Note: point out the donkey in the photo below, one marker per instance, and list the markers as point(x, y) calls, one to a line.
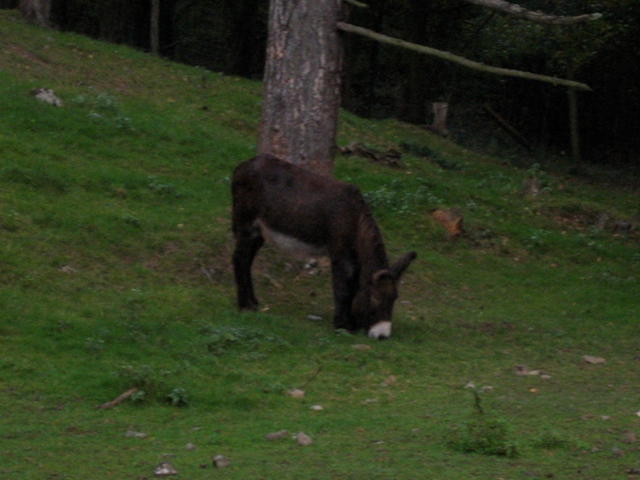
point(310, 215)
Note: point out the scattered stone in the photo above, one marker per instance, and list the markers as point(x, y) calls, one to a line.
point(629, 437)
point(132, 434)
point(593, 360)
point(276, 435)
point(164, 469)
point(315, 318)
point(390, 380)
point(317, 408)
point(189, 447)
point(362, 347)
point(47, 96)
point(296, 393)
point(520, 370)
point(303, 439)
point(220, 461)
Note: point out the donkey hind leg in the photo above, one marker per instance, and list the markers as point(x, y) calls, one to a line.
point(345, 286)
point(248, 242)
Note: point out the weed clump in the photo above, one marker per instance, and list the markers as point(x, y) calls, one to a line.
point(484, 433)
point(222, 339)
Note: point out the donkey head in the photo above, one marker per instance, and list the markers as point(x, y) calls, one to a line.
point(372, 306)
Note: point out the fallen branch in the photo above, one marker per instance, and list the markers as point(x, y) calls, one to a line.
point(538, 17)
point(357, 4)
point(391, 158)
point(516, 135)
point(117, 400)
point(347, 27)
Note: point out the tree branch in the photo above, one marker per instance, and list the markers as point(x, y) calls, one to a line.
point(357, 4)
point(347, 27)
point(538, 17)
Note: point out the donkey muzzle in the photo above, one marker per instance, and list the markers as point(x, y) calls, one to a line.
point(380, 330)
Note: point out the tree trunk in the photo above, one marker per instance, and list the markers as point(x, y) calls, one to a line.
point(416, 84)
point(36, 11)
point(301, 95)
point(154, 37)
point(574, 124)
point(439, 124)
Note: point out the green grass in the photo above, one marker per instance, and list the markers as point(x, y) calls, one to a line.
point(114, 273)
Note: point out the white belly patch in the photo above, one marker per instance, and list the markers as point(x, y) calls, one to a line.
point(291, 245)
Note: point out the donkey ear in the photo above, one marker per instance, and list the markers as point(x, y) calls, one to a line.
point(398, 268)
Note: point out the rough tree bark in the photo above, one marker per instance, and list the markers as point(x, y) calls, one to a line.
point(36, 11)
point(301, 95)
point(154, 34)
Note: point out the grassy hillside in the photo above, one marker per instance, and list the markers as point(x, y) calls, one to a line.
point(115, 274)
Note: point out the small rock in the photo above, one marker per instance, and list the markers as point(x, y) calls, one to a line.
point(276, 435)
point(189, 447)
point(317, 408)
point(164, 469)
point(132, 434)
point(315, 318)
point(593, 360)
point(629, 437)
point(390, 380)
point(520, 370)
point(303, 439)
point(617, 452)
point(296, 393)
point(46, 95)
point(220, 461)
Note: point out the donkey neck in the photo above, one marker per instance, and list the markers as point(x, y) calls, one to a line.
point(372, 256)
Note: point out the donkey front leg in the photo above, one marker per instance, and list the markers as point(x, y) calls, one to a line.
point(345, 286)
point(248, 242)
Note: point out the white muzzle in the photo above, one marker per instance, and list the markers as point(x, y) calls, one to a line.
point(380, 330)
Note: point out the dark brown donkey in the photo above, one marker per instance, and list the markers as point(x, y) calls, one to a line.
point(310, 215)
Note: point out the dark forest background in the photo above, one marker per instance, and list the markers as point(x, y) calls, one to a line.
point(382, 81)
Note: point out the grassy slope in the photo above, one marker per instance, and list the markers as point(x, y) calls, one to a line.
point(114, 272)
